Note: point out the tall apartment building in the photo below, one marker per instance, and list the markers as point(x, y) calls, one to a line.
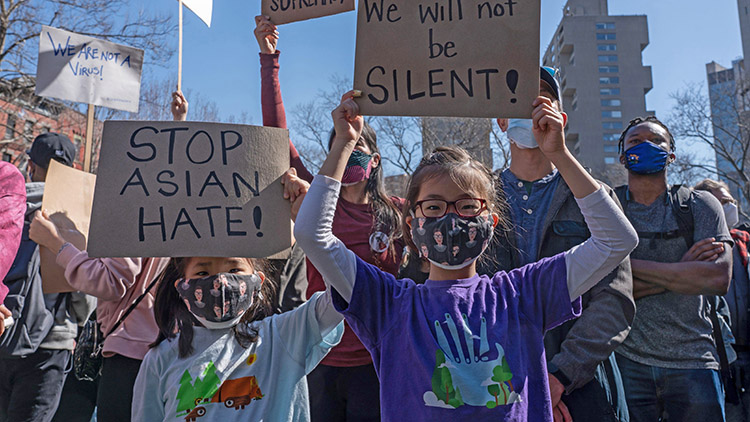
point(730, 101)
point(604, 82)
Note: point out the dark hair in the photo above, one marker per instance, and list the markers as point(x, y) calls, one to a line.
point(469, 174)
point(386, 215)
point(640, 120)
point(173, 317)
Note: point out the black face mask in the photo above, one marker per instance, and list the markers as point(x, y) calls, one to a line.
point(218, 301)
point(452, 242)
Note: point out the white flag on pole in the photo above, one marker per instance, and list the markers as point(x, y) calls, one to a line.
point(202, 8)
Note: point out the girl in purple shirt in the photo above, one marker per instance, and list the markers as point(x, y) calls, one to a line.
point(461, 346)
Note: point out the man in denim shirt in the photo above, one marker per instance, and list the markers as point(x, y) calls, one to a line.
point(584, 378)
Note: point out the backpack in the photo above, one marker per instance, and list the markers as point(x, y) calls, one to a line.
point(25, 300)
point(679, 198)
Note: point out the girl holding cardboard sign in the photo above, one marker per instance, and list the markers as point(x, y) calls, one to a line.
point(461, 346)
point(228, 357)
point(344, 386)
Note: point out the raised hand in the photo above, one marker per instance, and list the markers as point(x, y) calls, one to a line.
point(44, 232)
point(266, 34)
point(549, 127)
point(295, 190)
point(347, 122)
point(179, 106)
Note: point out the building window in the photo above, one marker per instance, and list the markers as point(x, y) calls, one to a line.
point(612, 114)
point(610, 149)
point(611, 103)
point(7, 157)
point(611, 137)
point(609, 160)
point(10, 127)
point(609, 69)
point(606, 37)
point(612, 125)
point(609, 91)
point(609, 80)
point(608, 58)
point(607, 47)
point(605, 25)
point(28, 128)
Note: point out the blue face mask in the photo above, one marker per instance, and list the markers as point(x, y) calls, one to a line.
point(646, 158)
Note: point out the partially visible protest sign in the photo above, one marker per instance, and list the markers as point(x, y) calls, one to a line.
point(68, 195)
point(203, 8)
point(190, 189)
point(286, 11)
point(78, 68)
point(461, 58)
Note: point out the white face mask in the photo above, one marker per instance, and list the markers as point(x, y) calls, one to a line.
point(731, 213)
point(519, 132)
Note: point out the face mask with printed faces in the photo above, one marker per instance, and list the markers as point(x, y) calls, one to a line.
point(220, 300)
point(452, 242)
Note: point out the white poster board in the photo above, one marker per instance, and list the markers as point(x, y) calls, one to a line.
point(87, 70)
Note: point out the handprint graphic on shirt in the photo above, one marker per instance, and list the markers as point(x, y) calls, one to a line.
point(473, 377)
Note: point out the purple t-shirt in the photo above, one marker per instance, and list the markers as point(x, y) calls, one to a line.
point(461, 349)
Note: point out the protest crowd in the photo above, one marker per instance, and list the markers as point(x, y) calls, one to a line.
point(534, 293)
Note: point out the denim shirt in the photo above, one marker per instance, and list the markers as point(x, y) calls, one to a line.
point(528, 211)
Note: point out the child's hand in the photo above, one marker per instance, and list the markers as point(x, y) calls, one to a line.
point(549, 127)
point(44, 232)
point(266, 34)
point(347, 121)
point(179, 106)
point(295, 190)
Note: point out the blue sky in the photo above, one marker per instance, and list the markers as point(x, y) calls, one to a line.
point(221, 62)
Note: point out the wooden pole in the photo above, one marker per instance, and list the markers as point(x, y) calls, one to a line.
point(179, 53)
point(89, 139)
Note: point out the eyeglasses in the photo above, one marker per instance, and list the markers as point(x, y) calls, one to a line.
point(467, 207)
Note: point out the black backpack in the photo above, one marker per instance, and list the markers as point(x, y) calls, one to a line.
point(33, 320)
point(679, 198)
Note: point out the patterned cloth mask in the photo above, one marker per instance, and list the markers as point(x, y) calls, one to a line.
point(452, 242)
point(358, 168)
point(218, 301)
point(646, 158)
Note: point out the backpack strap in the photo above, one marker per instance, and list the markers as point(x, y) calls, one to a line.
point(622, 195)
point(133, 306)
point(679, 199)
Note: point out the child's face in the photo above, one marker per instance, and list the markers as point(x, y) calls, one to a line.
point(443, 187)
point(199, 267)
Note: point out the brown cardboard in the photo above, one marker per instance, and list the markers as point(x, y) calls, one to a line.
point(139, 181)
point(430, 58)
point(287, 11)
point(68, 195)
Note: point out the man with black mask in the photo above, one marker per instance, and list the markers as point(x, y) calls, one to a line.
point(669, 362)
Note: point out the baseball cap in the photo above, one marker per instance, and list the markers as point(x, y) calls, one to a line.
point(50, 145)
point(547, 74)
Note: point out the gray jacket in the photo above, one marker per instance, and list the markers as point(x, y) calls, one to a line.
point(577, 347)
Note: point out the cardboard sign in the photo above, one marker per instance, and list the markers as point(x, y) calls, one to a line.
point(286, 11)
point(190, 189)
point(203, 8)
point(461, 58)
point(68, 195)
point(87, 70)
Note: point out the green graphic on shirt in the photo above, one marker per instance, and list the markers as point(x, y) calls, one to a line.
point(193, 392)
point(502, 375)
point(476, 375)
point(442, 383)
